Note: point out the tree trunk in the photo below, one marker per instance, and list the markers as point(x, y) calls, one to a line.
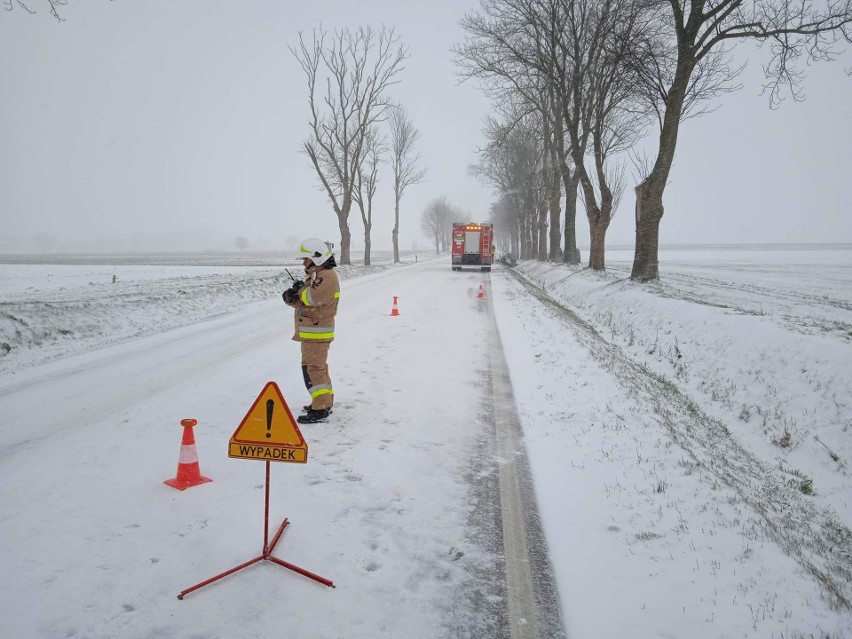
point(555, 193)
point(395, 234)
point(649, 212)
point(541, 253)
point(597, 232)
point(524, 235)
point(345, 235)
point(531, 234)
point(599, 218)
point(367, 244)
point(649, 194)
point(571, 254)
point(552, 186)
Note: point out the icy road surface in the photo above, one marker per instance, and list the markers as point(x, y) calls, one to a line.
point(398, 503)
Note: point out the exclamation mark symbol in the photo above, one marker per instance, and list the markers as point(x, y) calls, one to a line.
point(270, 406)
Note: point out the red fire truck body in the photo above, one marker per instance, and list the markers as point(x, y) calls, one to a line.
point(472, 245)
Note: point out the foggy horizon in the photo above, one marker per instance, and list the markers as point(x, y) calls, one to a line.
point(162, 127)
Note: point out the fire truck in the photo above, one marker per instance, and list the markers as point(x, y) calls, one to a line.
point(472, 245)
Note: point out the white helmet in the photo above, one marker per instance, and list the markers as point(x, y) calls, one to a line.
point(315, 250)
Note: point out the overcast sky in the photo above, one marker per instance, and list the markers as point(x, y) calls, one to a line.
point(177, 125)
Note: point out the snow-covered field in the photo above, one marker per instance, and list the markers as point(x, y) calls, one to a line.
point(689, 442)
point(701, 427)
point(52, 306)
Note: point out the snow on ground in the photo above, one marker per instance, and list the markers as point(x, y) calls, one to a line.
point(666, 532)
point(689, 442)
point(94, 545)
point(67, 306)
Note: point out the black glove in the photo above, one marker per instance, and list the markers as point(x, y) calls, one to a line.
point(292, 293)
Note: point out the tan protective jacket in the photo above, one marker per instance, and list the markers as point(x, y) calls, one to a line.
point(316, 306)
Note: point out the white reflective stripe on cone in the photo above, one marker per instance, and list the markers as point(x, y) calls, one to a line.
point(188, 455)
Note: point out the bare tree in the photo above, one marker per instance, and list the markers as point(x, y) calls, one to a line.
point(686, 61)
point(436, 221)
point(241, 242)
point(404, 163)
point(356, 68)
point(366, 182)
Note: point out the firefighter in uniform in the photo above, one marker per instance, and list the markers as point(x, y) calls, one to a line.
point(315, 304)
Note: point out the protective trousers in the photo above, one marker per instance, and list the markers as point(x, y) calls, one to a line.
point(315, 371)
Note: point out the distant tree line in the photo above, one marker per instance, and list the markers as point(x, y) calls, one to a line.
point(436, 222)
point(576, 83)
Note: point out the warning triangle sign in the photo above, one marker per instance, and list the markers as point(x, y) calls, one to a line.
point(268, 431)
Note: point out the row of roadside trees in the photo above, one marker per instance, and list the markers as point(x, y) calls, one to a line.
point(576, 83)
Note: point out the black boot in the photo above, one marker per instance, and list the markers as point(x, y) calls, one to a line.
point(313, 416)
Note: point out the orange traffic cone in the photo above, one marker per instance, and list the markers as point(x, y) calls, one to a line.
point(395, 308)
point(188, 471)
point(481, 293)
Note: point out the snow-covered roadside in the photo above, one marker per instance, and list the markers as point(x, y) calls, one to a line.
point(644, 541)
point(54, 310)
point(778, 378)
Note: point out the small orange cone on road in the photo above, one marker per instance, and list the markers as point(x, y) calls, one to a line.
point(481, 293)
point(188, 471)
point(395, 308)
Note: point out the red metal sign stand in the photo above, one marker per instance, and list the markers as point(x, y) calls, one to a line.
point(267, 553)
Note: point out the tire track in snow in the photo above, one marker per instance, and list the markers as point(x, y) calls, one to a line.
point(534, 608)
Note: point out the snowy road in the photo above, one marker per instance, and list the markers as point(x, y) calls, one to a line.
point(398, 504)
point(684, 469)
